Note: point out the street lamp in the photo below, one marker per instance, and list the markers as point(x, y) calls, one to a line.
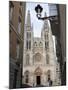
point(39, 10)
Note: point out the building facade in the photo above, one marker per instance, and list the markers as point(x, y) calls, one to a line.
point(39, 58)
point(16, 35)
point(59, 31)
point(62, 14)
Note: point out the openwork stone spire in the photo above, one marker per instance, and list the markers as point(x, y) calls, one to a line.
point(45, 25)
point(28, 20)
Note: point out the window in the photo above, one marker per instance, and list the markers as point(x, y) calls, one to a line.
point(26, 76)
point(46, 44)
point(37, 57)
point(48, 75)
point(21, 3)
point(20, 11)
point(17, 49)
point(27, 59)
point(19, 25)
point(26, 80)
point(40, 44)
point(46, 36)
point(28, 35)
point(46, 24)
point(35, 43)
point(11, 10)
point(47, 59)
point(28, 44)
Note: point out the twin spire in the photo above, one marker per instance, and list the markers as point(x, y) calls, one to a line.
point(28, 19)
point(45, 24)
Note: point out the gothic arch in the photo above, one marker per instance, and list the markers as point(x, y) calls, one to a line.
point(48, 75)
point(48, 72)
point(40, 44)
point(26, 72)
point(26, 76)
point(27, 59)
point(47, 59)
point(35, 43)
point(37, 57)
point(38, 71)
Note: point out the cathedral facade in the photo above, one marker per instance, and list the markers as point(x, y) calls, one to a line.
point(39, 59)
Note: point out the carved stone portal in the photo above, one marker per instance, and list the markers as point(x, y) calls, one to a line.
point(38, 71)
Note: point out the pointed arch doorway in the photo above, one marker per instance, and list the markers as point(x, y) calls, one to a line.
point(38, 80)
point(38, 73)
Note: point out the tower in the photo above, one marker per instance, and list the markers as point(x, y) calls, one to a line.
point(48, 49)
point(39, 62)
point(28, 43)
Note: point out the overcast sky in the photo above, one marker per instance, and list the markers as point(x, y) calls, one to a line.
point(37, 24)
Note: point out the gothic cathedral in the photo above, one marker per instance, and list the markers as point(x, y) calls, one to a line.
point(39, 59)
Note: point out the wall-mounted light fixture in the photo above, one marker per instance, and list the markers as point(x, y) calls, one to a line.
point(39, 10)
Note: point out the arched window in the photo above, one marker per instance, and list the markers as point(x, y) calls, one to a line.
point(17, 49)
point(48, 75)
point(46, 36)
point(46, 45)
point(27, 59)
point(47, 59)
point(28, 35)
point(11, 9)
point(26, 75)
point(28, 41)
point(28, 44)
point(37, 57)
point(19, 25)
point(35, 43)
point(40, 44)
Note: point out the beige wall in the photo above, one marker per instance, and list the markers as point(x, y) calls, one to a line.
point(14, 35)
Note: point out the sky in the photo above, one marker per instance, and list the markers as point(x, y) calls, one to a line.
point(37, 24)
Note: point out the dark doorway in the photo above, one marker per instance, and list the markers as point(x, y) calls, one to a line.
point(38, 80)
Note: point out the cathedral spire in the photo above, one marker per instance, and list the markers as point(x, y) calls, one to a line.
point(45, 25)
point(45, 14)
point(28, 20)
